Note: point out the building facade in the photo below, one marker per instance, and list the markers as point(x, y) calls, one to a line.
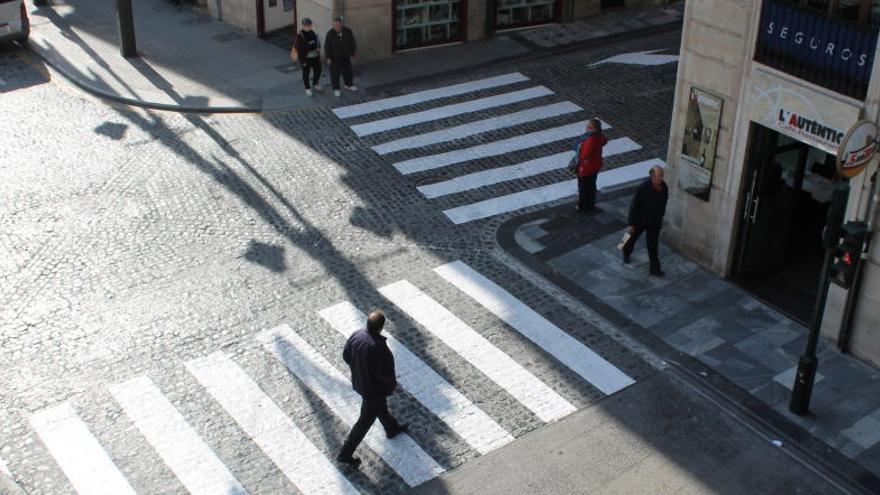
point(766, 92)
point(384, 27)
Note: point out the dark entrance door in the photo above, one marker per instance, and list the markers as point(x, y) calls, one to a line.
point(779, 250)
point(609, 4)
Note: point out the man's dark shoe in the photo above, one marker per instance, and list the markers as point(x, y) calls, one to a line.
point(657, 272)
point(350, 460)
point(625, 259)
point(400, 429)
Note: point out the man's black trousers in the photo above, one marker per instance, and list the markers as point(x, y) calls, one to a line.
point(653, 244)
point(587, 192)
point(371, 408)
point(312, 65)
point(341, 66)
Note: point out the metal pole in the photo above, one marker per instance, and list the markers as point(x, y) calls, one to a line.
point(125, 15)
point(802, 390)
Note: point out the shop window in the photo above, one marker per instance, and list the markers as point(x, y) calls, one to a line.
point(427, 22)
point(515, 13)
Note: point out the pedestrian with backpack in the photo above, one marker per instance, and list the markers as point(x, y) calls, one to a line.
point(588, 158)
point(307, 51)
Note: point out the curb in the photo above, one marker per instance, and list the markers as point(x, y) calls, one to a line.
point(537, 54)
point(182, 108)
point(824, 459)
point(9, 487)
point(109, 96)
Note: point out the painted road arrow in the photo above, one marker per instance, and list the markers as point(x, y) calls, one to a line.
point(639, 58)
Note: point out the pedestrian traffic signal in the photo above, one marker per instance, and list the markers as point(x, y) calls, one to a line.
point(848, 252)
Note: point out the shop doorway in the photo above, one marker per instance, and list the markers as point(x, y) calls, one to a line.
point(784, 205)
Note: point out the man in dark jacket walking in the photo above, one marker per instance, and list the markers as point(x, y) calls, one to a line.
point(340, 49)
point(646, 215)
point(373, 377)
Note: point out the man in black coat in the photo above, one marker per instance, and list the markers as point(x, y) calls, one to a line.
point(646, 215)
point(340, 49)
point(373, 377)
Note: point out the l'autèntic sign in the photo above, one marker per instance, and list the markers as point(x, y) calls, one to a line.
point(799, 112)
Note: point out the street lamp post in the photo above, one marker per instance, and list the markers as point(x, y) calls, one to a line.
point(127, 45)
point(802, 390)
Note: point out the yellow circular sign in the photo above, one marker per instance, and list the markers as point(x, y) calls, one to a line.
point(857, 149)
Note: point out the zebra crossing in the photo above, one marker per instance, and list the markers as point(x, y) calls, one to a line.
point(90, 469)
point(368, 125)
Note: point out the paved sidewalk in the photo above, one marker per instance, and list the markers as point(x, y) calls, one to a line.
point(189, 61)
point(627, 444)
point(726, 336)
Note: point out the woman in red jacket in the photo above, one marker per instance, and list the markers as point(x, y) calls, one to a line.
point(589, 164)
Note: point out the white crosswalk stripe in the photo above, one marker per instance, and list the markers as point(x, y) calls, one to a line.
point(78, 453)
point(401, 453)
point(91, 470)
point(428, 95)
point(493, 203)
point(478, 127)
point(473, 347)
point(436, 394)
point(183, 451)
point(496, 148)
point(409, 119)
point(276, 435)
point(580, 358)
point(518, 171)
point(545, 194)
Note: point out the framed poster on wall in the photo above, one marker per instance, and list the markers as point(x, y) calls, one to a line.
point(697, 159)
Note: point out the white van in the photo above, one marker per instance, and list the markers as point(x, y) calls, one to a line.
point(14, 24)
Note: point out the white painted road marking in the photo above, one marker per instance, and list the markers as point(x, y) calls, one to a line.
point(4, 468)
point(639, 58)
point(427, 95)
point(581, 359)
point(402, 453)
point(467, 420)
point(78, 453)
point(545, 194)
point(479, 127)
point(294, 454)
point(491, 361)
point(496, 148)
point(193, 462)
point(518, 171)
point(447, 111)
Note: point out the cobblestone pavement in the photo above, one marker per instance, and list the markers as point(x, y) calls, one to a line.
point(134, 243)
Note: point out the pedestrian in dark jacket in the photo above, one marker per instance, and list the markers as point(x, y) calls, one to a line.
point(308, 53)
point(646, 215)
point(373, 377)
point(589, 164)
point(340, 49)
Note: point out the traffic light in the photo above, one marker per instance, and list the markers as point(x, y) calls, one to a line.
point(848, 252)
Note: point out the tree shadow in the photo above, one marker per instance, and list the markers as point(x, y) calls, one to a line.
point(266, 255)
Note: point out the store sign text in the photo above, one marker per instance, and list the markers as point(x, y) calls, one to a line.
point(816, 41)
point(810, 129)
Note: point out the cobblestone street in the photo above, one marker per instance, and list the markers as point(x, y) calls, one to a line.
point(145, 251)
